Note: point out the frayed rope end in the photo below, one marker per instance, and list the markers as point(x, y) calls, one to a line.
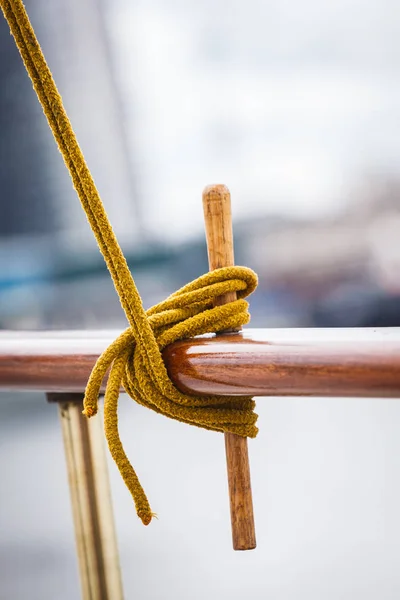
point(89, 411)
point(146, 517)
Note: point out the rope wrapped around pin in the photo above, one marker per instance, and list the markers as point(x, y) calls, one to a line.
point(135, 363)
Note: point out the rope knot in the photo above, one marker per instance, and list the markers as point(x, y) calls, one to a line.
point(134, 362)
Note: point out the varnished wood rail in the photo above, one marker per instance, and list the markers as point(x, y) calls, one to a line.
point(259, 362)
point(263, 362)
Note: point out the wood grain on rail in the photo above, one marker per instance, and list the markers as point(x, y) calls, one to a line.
point(363, 363)
point(219, 235)
point(290, 362)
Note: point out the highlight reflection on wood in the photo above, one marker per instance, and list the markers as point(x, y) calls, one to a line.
point(293, 362)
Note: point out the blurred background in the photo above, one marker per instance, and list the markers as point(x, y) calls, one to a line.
point(296, 107)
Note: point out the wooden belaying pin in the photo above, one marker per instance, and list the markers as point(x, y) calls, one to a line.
point(218, 225)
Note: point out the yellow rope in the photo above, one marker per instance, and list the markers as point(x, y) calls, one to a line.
point(134, 359)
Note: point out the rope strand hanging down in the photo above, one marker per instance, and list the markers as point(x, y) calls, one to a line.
point(134, 359)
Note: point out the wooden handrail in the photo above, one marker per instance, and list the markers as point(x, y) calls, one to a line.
point(259, 362)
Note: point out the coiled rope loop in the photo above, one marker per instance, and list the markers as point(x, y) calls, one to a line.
point(134, 358)
point(137, 365)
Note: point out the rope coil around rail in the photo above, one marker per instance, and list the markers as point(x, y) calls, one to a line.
point(134, 359)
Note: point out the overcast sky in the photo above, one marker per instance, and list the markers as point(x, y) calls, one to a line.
point(290, 104)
